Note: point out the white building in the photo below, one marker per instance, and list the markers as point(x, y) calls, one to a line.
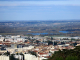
point(15, 36)
point(1, 38)
point(4, 57)
point(28, 48)
point(32, 57)
point(20, 57)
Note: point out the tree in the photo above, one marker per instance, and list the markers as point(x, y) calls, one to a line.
point(37, 41)
point(51, 38)
point(59, 58)
point(12, 57)
point(72, 58)
point(4, 40)
point(7, 53)
point(33, 53)
point(72, 54)
point(72, 39)
point(50, 42)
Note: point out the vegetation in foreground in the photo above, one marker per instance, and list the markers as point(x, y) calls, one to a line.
point(66, 54)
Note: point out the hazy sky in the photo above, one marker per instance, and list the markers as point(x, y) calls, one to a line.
point(39, 10)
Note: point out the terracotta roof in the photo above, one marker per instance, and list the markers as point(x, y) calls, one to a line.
point(43, 53)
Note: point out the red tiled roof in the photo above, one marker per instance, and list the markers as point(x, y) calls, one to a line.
point(43, 53)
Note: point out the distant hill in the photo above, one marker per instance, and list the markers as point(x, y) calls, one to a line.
point(52, 27)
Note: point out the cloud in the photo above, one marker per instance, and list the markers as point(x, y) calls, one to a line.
point(39, 3)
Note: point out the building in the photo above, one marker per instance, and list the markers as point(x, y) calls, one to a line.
point(2, 57)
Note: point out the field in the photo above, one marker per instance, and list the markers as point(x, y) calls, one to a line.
point(53, 28)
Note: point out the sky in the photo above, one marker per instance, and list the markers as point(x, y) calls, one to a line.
point(39, 10)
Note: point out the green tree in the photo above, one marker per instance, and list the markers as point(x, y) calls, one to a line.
point(33, 53)
point(12, 57)
point(7, 53)
point(71, 58)
point(59, 58)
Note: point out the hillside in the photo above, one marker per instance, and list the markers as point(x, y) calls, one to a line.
point(67, 54)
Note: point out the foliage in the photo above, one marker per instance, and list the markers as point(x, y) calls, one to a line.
point(71, 58)
point(12, 57)
point(65, 39)
point(33, 53)
point(72, 39)
point(50, 42)
point(59, 58)
point(51, 38)
point(22, 55)
point(72, 54)
point(37, 41)
point(7, 53)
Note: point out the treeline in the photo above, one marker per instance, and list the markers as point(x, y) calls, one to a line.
point(73, 54)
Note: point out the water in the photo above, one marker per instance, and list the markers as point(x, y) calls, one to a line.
point(65, 32)
point(49, 33)
point(38, 33)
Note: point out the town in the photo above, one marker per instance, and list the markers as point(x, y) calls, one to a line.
point(20, 47)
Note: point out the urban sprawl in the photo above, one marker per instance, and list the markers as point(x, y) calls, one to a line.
point(20, 47)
